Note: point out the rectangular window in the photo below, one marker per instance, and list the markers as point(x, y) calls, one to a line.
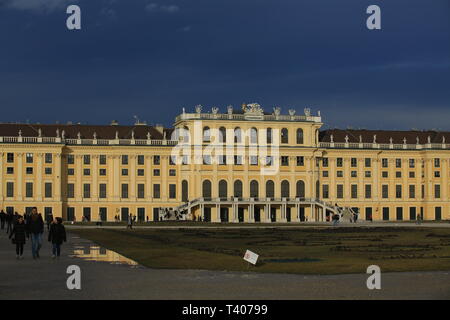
point(86, 190)
point(300, 161)
point(140, 160)
point(354, 191)
point(368, 191)
point(70, 214)
point(384, 163)
point(10, 157)
point(398, 174)
point(368, 174)
point(437, 191)
point(29, 170)
point(172, 191)
point(437, 162)
point(141, 191)
point(438, 213)
point(124, 159)
point(339, 173)
point(412, 163)
point(157, 191)
point(340, 191)
point(325, 162)
point(354, 163)
point(124, 190)
point(254, 160)
point(140, 172)
point(384, 174)
point(412, 191)
point(70, 159)
point(10, 189)
point(412, 174)
point(156, 160)
point(102, 172)
point(10, 170)
point(398, 163)
point(102, 159)
point(398, 191)
point(326, 191)
point(124, 172)
point(325, 174)
point(339, 162)
point(48, 158)
point(367, 162)
point(87, 159)
point(156, 172)
point(29, 190)
point(437, 174)
point(70, 190)
point(87, 172)
point(385, 191)
point(48, 171)
point(29, 158)
point(172, 172)
point(354, 174)
point(172, 160)
point(48, 189)
point(102, 191)
point(237, 160)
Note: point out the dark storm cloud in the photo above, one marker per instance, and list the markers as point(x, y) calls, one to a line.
point(143, 57)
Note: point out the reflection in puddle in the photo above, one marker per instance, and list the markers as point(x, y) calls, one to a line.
point(99, 254)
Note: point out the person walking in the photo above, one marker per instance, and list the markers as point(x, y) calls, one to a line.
point(49, 221)
point(2, 219)
point(130, 221)
point(36, 229)
point(57, 235)
point(19, 233)
point(9, 222)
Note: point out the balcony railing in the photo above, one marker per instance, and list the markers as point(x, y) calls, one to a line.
point(383, 146)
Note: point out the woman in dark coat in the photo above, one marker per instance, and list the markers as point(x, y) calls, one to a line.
point(19, 232)
point(57, 236)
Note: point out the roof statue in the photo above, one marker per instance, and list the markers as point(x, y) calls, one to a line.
point(230, 109)
point(277, 111)
point(391, 140)
point(214, 110)
point(346, 139)
point(292, 112)
point(307, 112)
point(331, 139)
point(198, 108)
point(417, 140)
point(374, 138)
point(253, 109)
point(57, 133)
point(404, 140)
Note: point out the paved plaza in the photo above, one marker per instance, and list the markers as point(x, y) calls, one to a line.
point(46, 279)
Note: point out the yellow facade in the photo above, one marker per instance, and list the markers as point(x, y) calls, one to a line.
point(101, 177)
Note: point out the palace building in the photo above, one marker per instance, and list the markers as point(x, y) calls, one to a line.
point(244, 165)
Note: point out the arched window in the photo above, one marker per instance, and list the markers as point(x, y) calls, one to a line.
point(254, 189)
point(206, 187)
point(223, 192)
point(184, 191)
point(300, 189)
point(206, 134)
point(253, 135)
point(284, 135)
point(222, 134)
point(270, 189)
point(285, 189)
point(299, 136)
point(269, 135)
point(238, 189)
point(237, 135)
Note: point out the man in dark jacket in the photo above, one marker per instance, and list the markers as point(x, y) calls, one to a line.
point(57, 236)
point(2, 219)
point(9, 222)
point(35, 229)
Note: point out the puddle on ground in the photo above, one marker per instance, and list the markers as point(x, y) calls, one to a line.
point(99, 254)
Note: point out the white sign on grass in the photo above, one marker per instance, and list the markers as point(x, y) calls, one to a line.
point(251, 257)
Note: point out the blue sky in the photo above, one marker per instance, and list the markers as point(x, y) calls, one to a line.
point(150, 58)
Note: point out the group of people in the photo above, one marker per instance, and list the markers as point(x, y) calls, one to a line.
point(20, 228)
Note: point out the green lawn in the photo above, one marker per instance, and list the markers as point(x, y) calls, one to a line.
point(302, 250)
